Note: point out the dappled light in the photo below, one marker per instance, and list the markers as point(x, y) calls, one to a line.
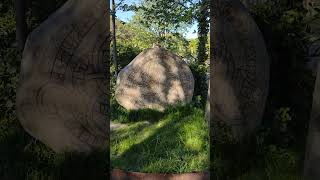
point(155, 79)
point(176, 143)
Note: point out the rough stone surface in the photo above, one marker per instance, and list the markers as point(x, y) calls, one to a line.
point(240, 71)
point(61, 98)
point(312, 159)
point(155, 79)
point(208, 104)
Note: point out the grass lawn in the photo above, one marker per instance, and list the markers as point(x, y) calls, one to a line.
point(150, 141)
point(174, 141)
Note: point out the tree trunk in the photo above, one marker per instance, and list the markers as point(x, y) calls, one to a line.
point(21, 24)
point(114, 49)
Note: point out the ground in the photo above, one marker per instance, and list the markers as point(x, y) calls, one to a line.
point(175, 141)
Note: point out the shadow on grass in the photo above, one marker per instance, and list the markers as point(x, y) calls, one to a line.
point(168, 147)
point(145, 115)
point(121, 115)
point(163, 150)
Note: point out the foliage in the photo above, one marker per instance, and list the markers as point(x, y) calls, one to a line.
point(9, 62)
point(281, 127)
point(7, 27)
point(313, 19)
point(178, 44)
point(285, 31)
point(139, 36)
point(168, 18)
point(203, 29)
point(9, 71)
point(277, 150)
point(255, 158)
point(193, 47)
point(40, 10)
point(132, 39)
point(200, 72)
point(164, 17)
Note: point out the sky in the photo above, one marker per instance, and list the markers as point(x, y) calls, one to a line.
point(127, 16)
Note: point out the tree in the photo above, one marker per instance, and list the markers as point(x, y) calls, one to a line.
point(21, 24)
point(39, 11)
point(193, 47)
point(203, 29)
point(114, 37)
point(132, 38)
point(169, 17)
point(113, 12)
point(164, 17)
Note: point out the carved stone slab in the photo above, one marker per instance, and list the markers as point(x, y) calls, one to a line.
point(208, 103)
point(241, 70)
point(155, 79)
point(61, 99)
point(312, 159)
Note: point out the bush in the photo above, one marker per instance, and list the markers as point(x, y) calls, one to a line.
point(126, 54)
point(199, 72)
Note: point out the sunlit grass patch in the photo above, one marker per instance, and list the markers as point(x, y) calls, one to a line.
point(178, 142)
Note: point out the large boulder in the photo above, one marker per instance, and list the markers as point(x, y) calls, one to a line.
point(240, 71)
point(155, 79)
point(61, 98)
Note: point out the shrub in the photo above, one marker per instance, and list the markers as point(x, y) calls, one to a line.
point(199, 72)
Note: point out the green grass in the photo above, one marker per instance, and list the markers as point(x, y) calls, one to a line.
point(254, 161)
point(175, 141)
